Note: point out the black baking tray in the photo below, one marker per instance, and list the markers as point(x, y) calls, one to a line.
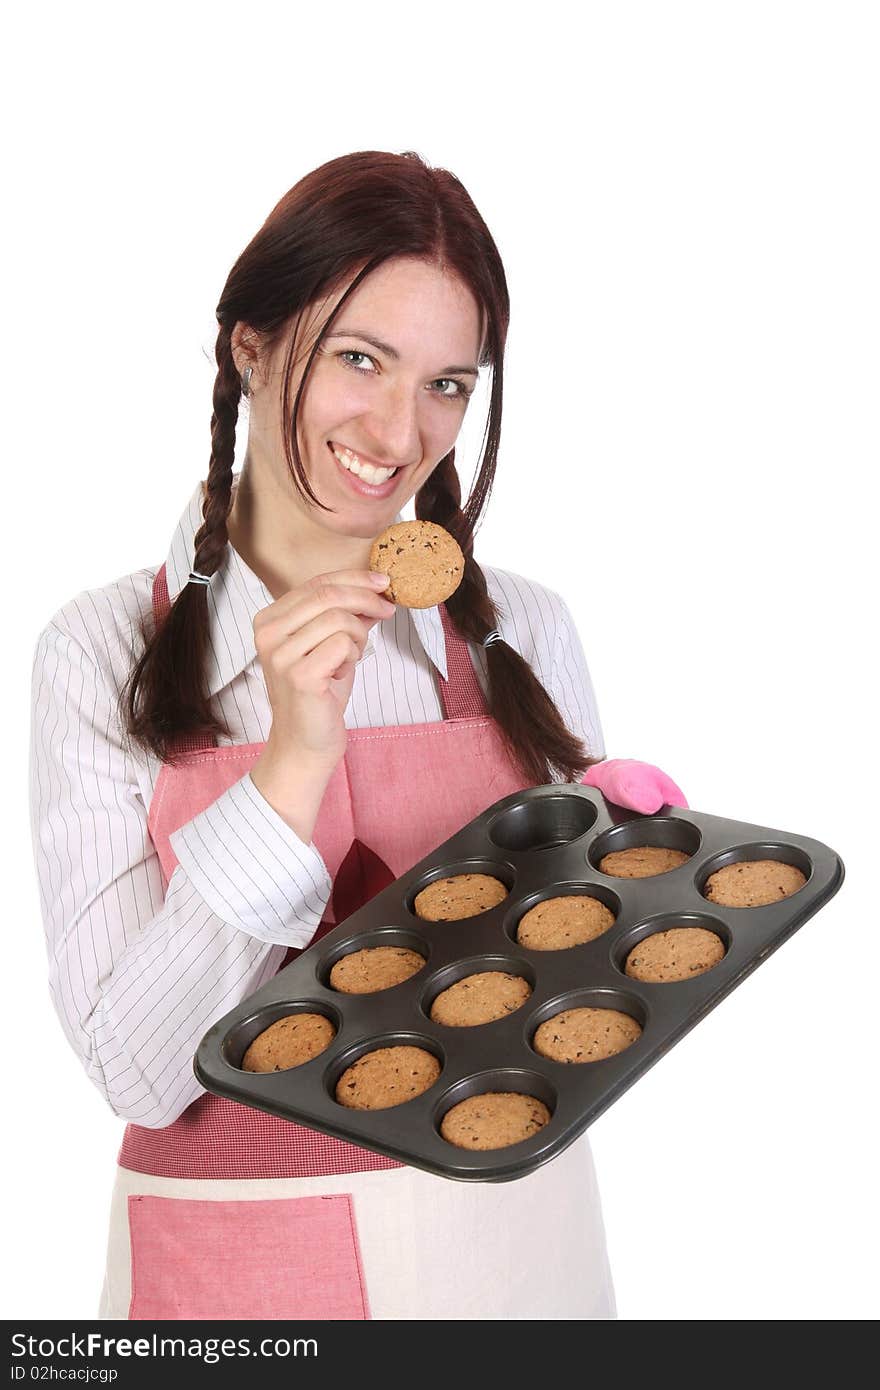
point(541, 842)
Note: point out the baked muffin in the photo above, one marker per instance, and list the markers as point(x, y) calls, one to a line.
point(642, 861)
point(555, 924)
point(480, 998)
point(457, 897)
point(289, 1042)
point(585, 1035)
point(494, 1120)
point(388, 1076)
point(753, 883)
point(675, 954)
point(374, 968)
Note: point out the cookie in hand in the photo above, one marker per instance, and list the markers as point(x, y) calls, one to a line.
point(424, 562)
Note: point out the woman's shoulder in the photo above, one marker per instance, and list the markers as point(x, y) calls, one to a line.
point(532, 617)
point(538, 622)
point(528, 591)
point(106, 623)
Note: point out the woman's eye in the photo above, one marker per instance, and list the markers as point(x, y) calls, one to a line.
point(351, 352)
point(458, 388)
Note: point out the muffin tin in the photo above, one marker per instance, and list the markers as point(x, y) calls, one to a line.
point(541, 842)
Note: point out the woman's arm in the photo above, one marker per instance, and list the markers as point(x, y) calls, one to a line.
point(136, 981)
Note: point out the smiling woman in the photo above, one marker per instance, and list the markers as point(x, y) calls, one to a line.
point(374, 248)
point(238, 748)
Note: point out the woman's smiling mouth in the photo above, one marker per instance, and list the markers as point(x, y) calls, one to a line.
point(366, 478)
point(370, 472)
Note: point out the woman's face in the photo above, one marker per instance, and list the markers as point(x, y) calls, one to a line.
point(388, 390)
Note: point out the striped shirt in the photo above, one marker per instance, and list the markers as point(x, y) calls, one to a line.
point(138, 975)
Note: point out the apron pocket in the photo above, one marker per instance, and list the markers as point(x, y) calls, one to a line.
point(294, 1258)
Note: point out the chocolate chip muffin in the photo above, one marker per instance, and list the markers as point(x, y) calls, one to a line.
point(374, 968)
point(585, 1035)
point(675, 954)
point(289, 1042)
point(559, 923)
point(480, 998)
point(642, 861)
point(388, 1076)
point(462, 895)
point(753, 883)
point(494, 1120)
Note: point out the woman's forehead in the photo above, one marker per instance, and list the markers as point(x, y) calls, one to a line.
point(411, 306)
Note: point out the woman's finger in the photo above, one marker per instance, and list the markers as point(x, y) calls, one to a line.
point(288, 615)
point(351, 632)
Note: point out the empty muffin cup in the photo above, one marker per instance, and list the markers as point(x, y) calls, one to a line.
point(543, 824)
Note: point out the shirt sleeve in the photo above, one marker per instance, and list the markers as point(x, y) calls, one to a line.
point(571, 684)
point(253, 871)
point(137, 980)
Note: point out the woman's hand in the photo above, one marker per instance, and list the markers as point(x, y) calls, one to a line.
point(634, 785)
point(309, 642)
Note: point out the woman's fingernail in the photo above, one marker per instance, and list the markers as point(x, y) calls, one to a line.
point(381, 580)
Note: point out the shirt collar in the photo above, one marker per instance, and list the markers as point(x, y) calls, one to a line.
point(428, 626)
point(236, 595)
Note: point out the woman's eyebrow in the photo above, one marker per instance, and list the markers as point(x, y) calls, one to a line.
point(389, 350)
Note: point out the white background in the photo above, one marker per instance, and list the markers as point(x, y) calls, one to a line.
point(685, 199)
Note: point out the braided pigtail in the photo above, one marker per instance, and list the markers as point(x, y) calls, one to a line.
point(165, 695)
point(533, 730)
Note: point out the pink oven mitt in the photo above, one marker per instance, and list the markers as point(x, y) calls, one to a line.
point(634, 785)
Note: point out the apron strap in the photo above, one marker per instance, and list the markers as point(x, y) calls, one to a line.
point(461, 694)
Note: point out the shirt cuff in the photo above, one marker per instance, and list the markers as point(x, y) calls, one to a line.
point(252, 870)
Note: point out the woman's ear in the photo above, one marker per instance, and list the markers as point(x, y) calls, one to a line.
point(244, 345)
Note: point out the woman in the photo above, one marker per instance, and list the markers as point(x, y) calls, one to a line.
point(221, 742)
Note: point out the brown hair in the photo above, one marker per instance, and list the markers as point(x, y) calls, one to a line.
point(351, 214)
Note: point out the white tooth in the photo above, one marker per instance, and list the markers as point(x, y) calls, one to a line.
point(350, 460)
point(371, 474)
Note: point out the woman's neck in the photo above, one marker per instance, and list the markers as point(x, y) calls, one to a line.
point(279, 542)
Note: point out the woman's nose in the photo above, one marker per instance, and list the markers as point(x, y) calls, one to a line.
point(394, 427)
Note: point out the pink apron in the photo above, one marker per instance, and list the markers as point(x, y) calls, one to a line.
point(397, 793)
